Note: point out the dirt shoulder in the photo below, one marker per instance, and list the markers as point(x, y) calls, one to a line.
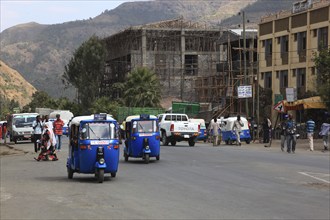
point(7, 150)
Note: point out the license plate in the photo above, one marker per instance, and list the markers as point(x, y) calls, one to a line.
point(27, 136)
point(100, 142)
point(186, 136)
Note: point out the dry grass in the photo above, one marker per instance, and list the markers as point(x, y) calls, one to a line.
point(13, 86)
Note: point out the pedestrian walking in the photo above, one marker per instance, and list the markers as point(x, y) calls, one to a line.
point(58, 130)
point(283, 132)
point(291, 138)
point(310, 126)
point(37, 131)
point(325, 133)
point(252, 125)
point(215, 127)
point(266, 125)
point(237, 128)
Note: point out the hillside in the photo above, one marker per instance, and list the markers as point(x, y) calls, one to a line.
point(40, 52)
point(13, 86)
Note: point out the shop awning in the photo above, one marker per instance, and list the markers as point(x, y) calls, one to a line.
point(308, 103)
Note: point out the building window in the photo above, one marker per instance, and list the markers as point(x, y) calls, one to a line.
point(315, 33)
point(277, 74)
point(268, 47)
point(262, 76)
point(191, 64)
point(322, 38)
point(301, 41)
point(284, 44)
point(294, 72)
point(301, 77)
point(284, 82)
point(268, 80)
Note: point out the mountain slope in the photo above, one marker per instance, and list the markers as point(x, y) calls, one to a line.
point(13, 86)
point(40, 52)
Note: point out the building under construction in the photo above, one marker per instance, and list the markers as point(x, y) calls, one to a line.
point(194, 63)
point(178, 51)
point(220, 88)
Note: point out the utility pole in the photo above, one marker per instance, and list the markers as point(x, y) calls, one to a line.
point(244, 57)
point(258, 98)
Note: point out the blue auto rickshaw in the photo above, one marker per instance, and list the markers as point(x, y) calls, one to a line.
point(94, 146)
point(229, 135)
point(142, 137)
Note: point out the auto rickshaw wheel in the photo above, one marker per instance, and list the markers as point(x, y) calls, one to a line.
point(113, 174)
point(157, 157)
point(164, 139)
point(70, 173)
point(173, 143)
point(100, 175)
point(227, 142)
point(146, 158)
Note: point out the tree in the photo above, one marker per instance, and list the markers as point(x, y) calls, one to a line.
point(40, 99)
point(322, 64)
point(85, 70)
point(142, 89)
point(104, 105)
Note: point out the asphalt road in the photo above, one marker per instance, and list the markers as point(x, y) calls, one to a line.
point(201, 182)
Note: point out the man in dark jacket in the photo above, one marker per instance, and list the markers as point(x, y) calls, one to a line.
point(291, 138)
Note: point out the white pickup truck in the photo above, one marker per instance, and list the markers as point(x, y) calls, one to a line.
point(176, 127)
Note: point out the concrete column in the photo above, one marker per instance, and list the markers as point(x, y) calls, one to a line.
point(144, 48)
point(183, 50)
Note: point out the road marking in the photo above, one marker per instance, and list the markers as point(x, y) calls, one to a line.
point(306, 174)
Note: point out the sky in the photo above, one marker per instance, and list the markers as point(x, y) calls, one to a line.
point(14, 12)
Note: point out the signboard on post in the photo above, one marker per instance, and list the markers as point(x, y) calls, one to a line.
point(291, 94)
point(244, 91)
point(279, 107)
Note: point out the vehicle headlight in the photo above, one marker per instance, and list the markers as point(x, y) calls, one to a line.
point(147, 147)
point(101, 161)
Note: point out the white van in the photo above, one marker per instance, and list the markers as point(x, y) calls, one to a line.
point(20, 126)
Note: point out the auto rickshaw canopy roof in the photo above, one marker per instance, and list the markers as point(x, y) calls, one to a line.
point(135, 117)
point(308, 103)
point(78, 119)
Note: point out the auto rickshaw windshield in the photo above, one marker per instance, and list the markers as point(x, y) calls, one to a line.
point(98, 131)
point(144, 126)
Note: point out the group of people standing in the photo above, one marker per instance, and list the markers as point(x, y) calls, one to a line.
point(47, 135)
point(289, 134)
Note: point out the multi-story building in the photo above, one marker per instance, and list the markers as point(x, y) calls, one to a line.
point(287, 43)
point(178, 51)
